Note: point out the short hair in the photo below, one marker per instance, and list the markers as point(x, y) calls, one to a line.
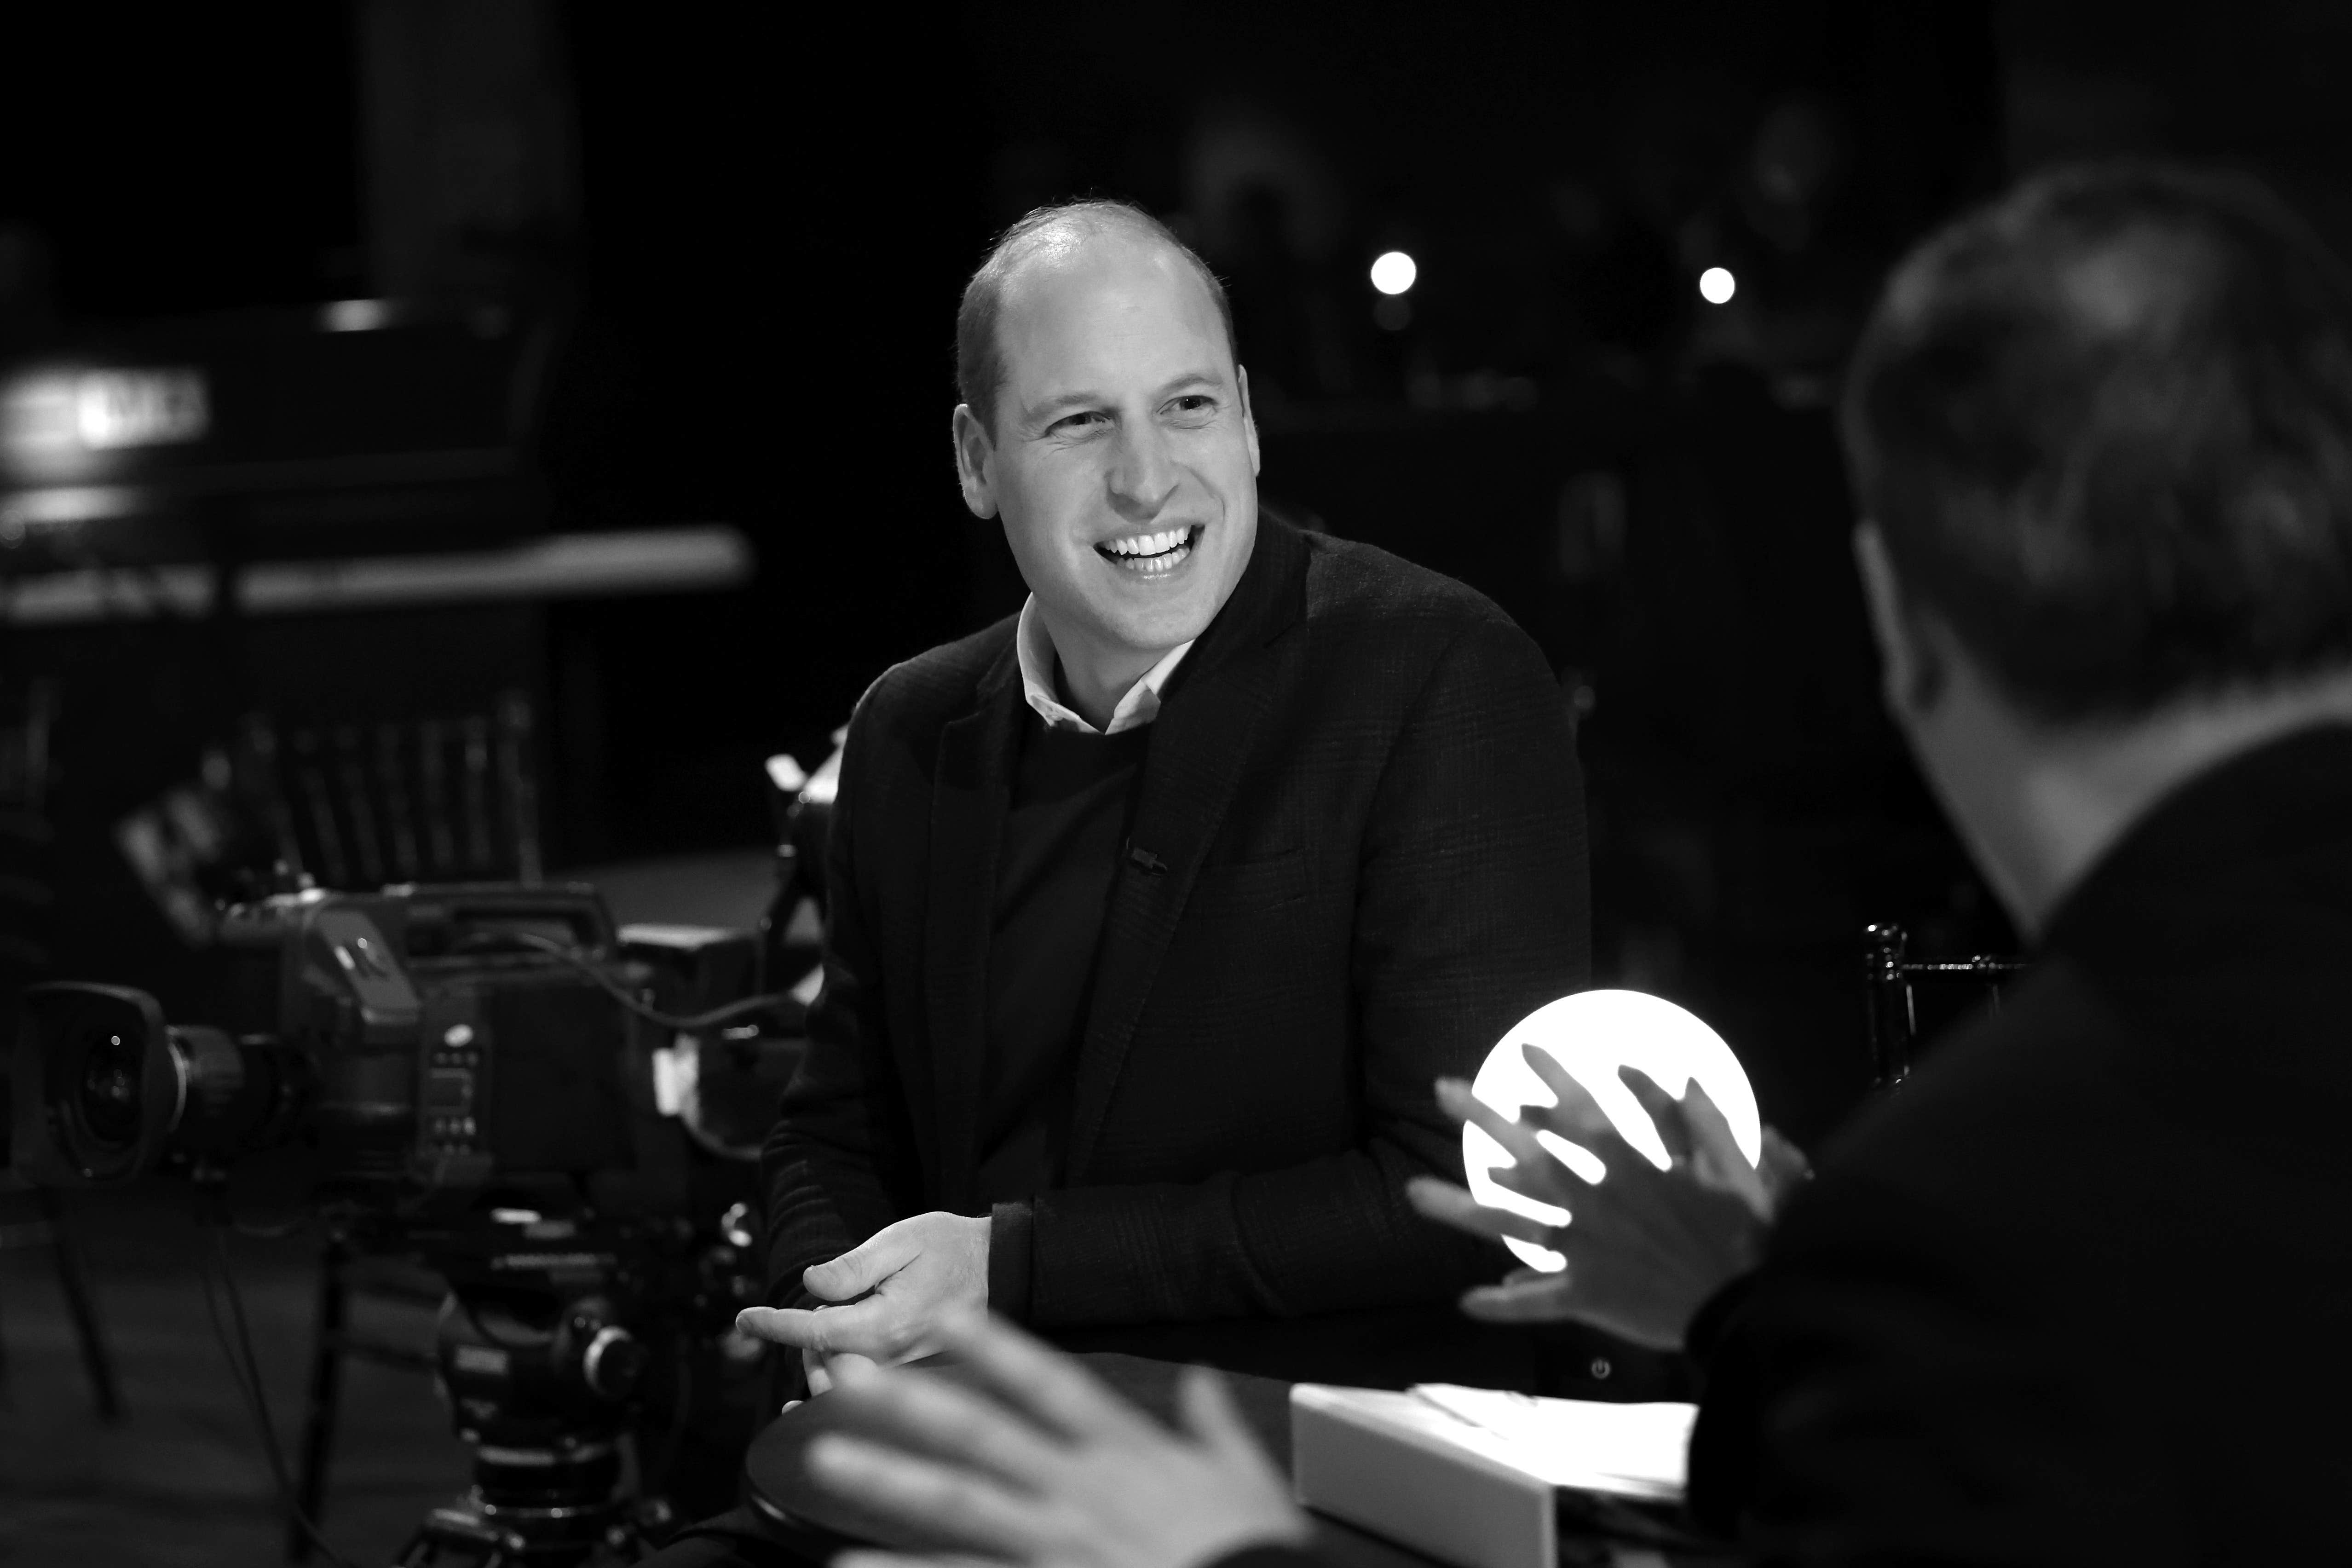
point(2104, 427)
point(980, 353)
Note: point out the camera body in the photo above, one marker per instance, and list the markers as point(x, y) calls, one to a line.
point(414, 1048)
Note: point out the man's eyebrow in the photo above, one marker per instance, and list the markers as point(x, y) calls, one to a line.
point(1191, 378)
point(1053, 405)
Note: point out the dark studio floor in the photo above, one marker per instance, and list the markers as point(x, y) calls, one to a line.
point(180, 1482)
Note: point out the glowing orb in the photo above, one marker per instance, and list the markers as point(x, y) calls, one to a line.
point(1591, 1033)
point(1716, 286)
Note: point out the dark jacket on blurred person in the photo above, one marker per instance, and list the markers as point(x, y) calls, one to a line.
point(2082, 1291)
point(1355, 857)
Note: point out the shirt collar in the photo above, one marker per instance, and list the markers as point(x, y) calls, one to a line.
point(1035, 645)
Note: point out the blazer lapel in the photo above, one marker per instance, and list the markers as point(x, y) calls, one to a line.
point(1200, 744)
point(969, 801)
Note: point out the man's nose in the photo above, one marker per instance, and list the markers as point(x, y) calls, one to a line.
point(1143, 474)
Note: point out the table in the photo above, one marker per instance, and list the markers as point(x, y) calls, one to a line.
point(815, 1524)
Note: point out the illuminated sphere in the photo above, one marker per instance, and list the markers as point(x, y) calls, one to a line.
point(1716, 286)
point(1393, 272)
point(1592, 1034)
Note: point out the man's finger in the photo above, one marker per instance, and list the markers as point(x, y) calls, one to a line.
point(1783, 1165)
point(1518, 1141)
point(1665, 1111)
point(1710, 1127)
point(1056, 1389)
point(861, 1328)
point(1204, 1405)
point(1578, 1114)
point(1526, 1297)
point(860, 1268)
point(930, 1501)
point(1550, 1183)
point(1715, 1155)
point(760, 1322)
point(1449, 1204)
point(1577, 1117)
point(871, 1558)
point(939, 1418)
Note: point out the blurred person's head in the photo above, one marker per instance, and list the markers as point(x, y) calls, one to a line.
point(1106, 421)
point(2101, 438)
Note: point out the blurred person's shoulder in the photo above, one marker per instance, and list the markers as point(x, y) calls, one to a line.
point(2067, 1148)
point(2002, 1103)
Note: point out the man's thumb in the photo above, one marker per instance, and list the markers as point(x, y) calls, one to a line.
point(854, 1272)
point(1204, 1401)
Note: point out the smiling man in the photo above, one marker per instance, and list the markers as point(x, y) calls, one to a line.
point(1156, 909)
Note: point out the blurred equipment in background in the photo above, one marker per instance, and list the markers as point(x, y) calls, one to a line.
point(35, 1217)
point(367, 453)
point(792, 930)
point(330, 518)
point(346, 806)
point(480, 1079)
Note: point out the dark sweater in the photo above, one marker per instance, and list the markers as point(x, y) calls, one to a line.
point(1072, 795)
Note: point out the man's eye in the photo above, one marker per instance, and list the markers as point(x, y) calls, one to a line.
point(1194, 403)
point(1073, 422)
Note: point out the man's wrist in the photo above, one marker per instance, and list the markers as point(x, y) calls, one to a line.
point(1008, 1229)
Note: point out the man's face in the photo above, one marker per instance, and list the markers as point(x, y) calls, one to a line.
point(1124, 461)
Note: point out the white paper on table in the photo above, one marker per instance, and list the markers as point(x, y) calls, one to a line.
point(1625, 1450)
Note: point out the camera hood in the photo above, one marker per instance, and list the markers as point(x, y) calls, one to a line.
point(97, 1091)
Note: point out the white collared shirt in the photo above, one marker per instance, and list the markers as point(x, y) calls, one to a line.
point(1035, 645)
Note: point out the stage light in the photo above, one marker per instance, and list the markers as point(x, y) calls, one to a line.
point(1717, 285)
point(1393, 272)
point(38, 421)
point(61, 424)
point(1592, 1035)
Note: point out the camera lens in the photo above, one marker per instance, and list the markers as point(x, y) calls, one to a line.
point(107, 1106)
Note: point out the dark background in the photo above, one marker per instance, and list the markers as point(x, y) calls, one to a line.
point(739, 232)
point(698, 264)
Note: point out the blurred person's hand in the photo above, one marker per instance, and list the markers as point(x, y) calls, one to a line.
point(1042, 1464)
point(1645, 1248)
point(899, 1286)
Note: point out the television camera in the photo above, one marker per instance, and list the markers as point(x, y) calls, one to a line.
point(476, 1078)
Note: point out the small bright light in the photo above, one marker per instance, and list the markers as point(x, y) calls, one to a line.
point(1393, 272)
point(1717, 285)
point(1591, 1033)
point(355, 315)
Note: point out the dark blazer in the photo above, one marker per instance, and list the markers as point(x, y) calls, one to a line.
point(2081, 1291)
point(1358, 857)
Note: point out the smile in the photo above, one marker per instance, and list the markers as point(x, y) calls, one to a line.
point(1149, 554)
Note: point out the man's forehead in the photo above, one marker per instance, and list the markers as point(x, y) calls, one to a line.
point(1105, 292)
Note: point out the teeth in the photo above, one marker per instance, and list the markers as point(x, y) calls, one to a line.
point(1148, 543)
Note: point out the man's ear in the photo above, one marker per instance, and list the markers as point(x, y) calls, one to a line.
point(975, 458)
point(1249, 420)
point(1912, 664)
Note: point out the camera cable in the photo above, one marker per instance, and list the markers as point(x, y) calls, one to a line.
point(683, 1024)
point(245, 1371)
